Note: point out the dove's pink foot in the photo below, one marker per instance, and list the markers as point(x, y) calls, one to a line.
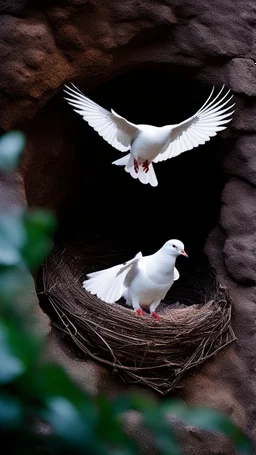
point(140, 312)
point(136, 166)
point(155, 316)
point(145, 166)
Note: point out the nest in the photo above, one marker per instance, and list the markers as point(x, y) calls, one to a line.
point(140, 349)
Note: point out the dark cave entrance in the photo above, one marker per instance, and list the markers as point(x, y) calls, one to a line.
point(106, 217)
point(104, 207)
point(118, 212)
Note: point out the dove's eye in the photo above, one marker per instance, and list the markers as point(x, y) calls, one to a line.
point(174, 246)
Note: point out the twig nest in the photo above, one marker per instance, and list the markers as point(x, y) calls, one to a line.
point(143, 350)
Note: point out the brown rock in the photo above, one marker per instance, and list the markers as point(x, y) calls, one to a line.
point(242, 161)
point(242, 76)
point(238, 218)
point(244, 120)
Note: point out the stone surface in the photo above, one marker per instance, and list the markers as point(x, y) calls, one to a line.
point(245, 118)
point(242, 76)
point(238, 218)
point(47, 44)
point(242, 161)
point(91, 42)
point(243, 320)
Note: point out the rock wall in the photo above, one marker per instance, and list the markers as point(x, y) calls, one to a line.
point(46, 44)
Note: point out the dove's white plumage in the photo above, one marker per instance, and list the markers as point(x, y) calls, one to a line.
point(142, 281)
point(149, 143)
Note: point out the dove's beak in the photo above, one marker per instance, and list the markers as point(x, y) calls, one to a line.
point(183, 252)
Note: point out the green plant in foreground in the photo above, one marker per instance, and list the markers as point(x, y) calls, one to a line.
point(36, 396)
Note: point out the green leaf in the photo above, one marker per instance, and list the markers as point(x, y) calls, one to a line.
point(66, 421)
point(39, 226)
point(11, 146)
point(54, 381)
point(11, 365)
point(109, 428)
point(25, 346)
point(211, 420)
point(19, 351)
point(41, 219)
point(10, 412)
point(153, 419)
point(165, 439)
point(126, 402)
point(12, 281)
point(12, 238)
point(26, 236)
point(67, 405)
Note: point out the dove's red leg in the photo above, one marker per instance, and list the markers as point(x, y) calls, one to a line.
point(145, 166)
point(155, 316)
point(140, 312)
point(136, 166)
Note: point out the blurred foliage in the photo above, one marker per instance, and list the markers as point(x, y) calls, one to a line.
point(41, 410)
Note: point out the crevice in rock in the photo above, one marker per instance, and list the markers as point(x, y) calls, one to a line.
point(243, 179)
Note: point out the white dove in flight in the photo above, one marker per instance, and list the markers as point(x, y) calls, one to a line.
point(150, 144)
point(142, 281)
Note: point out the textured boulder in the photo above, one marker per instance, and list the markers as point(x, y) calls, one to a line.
point(89, 42)
point(47, 44)
point(242, 162)
point(238, 218)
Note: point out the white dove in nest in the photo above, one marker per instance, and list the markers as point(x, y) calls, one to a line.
point(143, 281)
point(150, 144)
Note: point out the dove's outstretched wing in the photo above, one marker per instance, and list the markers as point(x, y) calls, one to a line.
point(176, 274)
point(199, 128)
point(116, 130)
point(108, 284)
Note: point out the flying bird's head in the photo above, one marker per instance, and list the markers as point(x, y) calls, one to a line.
point(175, 247)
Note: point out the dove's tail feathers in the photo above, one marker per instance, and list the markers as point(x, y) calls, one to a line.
point(108, 284)
point(144, 177)
point(122, 161)
point(152, 180)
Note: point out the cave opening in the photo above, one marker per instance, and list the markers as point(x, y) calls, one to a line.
point(104, 206)
point(118, 212)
